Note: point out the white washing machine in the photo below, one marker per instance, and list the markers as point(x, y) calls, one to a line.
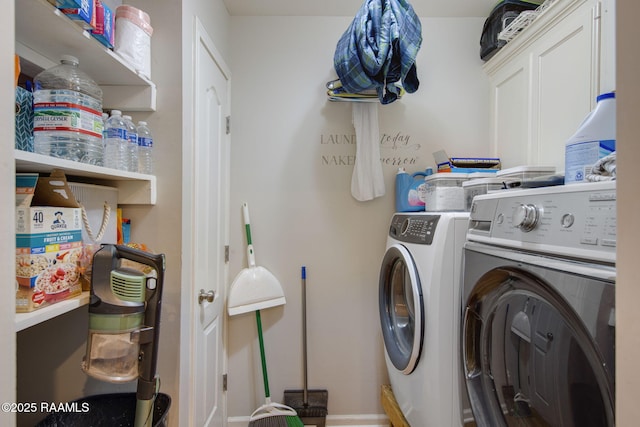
point(420, 311)
point(539, 307)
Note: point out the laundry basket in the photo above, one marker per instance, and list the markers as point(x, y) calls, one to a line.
point(107, 410)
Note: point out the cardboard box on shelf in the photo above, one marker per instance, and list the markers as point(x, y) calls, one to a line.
point(83, 12)
point(48, 241)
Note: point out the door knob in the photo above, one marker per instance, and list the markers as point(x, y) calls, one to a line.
point(206, 296)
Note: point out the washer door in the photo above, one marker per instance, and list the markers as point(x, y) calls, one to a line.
point(401, 308)
point(537, 354)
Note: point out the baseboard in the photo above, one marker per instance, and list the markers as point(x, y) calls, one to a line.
point(365, 420)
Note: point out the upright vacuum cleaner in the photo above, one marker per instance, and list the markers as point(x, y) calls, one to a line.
point(124, 322)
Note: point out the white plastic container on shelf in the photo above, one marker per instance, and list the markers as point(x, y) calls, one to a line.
point(476, 187)
point(444, 192)
point(68, 114)
point(145, 148)
point(132, 146)
point(514, 177)
point(594, 139)
point(116, 143)
point(133, 38)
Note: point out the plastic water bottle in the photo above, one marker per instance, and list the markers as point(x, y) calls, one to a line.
point(105, 117)
point(594, 139)
point(68, 114)
point(145, 148)
point(132, 147)
point(116, 143)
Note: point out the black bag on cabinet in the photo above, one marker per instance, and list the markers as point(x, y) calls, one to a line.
point(500, 17)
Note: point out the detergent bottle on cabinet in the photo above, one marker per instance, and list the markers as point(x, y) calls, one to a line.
point(594, 140)
point(410, 190)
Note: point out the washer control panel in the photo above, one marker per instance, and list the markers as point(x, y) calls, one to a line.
point(409, 228)
point(573, 220)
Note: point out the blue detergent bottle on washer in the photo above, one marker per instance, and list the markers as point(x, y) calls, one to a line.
point(410, 190)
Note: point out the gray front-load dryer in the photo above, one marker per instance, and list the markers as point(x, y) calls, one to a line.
point(538, 296)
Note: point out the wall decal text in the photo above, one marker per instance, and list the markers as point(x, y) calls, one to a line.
point(396, 149)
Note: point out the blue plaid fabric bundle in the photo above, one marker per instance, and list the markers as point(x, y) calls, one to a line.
point(379, 49)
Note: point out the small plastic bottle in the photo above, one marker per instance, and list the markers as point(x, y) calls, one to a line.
point(115, 148)
point(105, 117)
point(145, 148)
point(132, 147)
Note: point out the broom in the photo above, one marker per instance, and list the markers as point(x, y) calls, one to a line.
point(253, 289)
point(271, 414)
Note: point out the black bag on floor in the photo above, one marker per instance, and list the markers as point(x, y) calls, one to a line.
point(500, 17)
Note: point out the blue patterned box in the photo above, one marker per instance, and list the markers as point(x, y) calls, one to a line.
point(24, 119)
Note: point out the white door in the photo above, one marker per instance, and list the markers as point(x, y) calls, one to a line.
point(206, 225)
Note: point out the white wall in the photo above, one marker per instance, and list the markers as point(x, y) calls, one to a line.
point(290, 162)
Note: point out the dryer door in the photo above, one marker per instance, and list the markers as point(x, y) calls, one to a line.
point(401, 308)
point(538, 343)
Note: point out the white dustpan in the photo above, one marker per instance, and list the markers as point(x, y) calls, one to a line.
point(255, 287)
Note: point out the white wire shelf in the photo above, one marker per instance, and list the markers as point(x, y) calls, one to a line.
point(523, 20)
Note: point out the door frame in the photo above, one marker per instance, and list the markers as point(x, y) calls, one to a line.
point(189, 289)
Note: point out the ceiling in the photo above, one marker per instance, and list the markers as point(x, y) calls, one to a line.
point(424, 8)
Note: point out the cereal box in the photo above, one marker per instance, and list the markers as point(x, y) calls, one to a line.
point(82, 12)
point(48, 241)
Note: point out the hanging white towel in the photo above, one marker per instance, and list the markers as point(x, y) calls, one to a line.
point(367, 181)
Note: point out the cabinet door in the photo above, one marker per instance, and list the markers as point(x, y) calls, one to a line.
point(510, 112)
point(544, 83)
point(565, 75)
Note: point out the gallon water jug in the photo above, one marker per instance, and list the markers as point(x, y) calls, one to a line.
point(68, 114)
point(410, 190)
point(594, 139)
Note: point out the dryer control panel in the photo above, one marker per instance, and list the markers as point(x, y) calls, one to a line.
point(577, 220)
point(418, 229)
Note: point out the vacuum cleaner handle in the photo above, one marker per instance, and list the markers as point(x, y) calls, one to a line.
point(155, 261)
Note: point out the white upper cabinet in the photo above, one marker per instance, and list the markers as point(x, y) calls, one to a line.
point(544, 83)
